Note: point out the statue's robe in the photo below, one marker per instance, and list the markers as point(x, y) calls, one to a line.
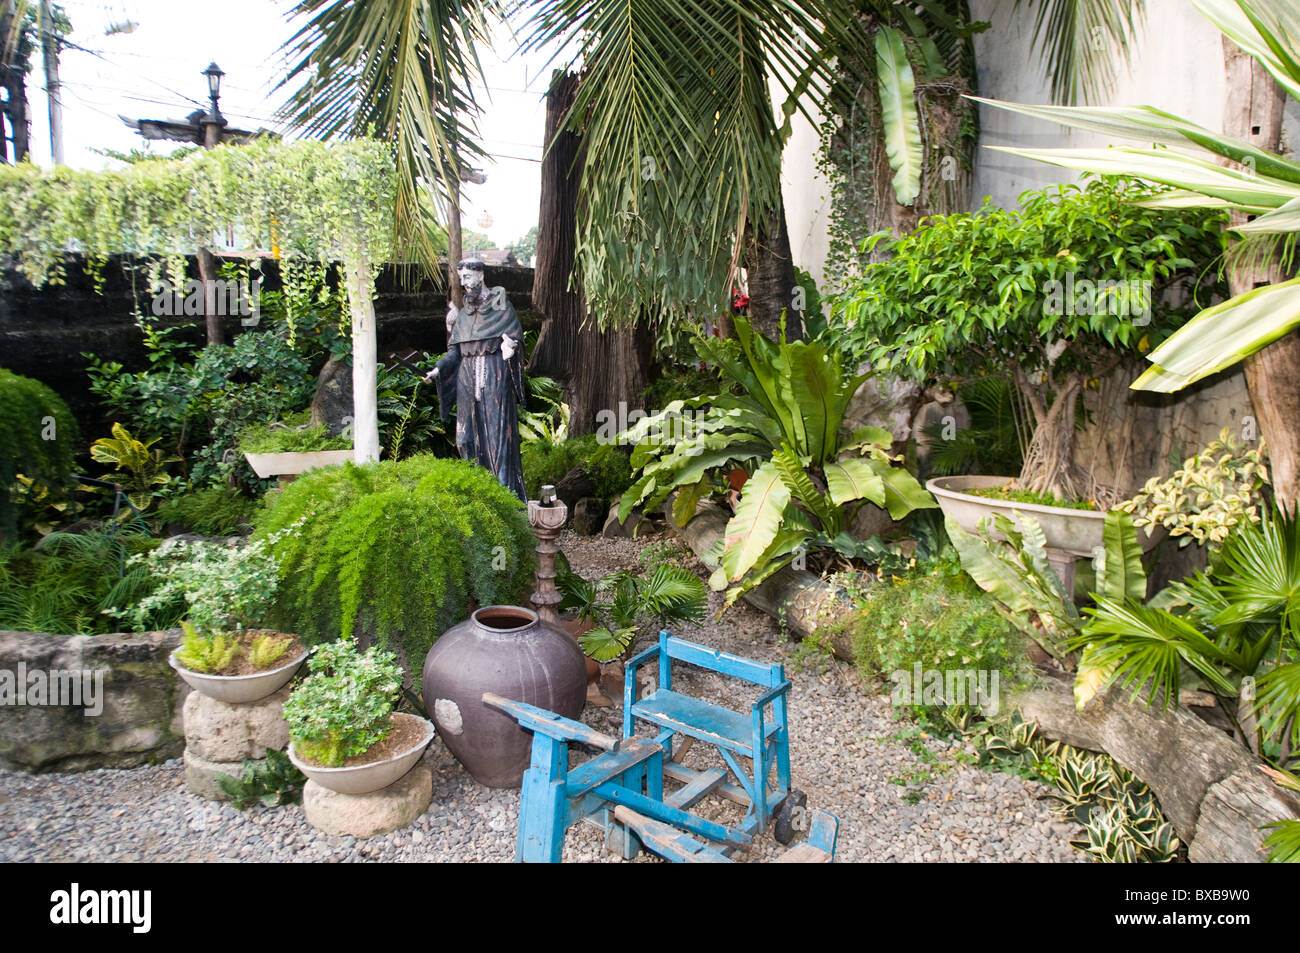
point(486, 389)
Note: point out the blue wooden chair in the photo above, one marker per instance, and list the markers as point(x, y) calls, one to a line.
point(761, 735)
point(622, 790)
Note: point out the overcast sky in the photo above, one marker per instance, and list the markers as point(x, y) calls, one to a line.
point(153, 72)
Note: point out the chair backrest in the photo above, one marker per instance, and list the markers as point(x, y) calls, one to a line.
point(692, 653)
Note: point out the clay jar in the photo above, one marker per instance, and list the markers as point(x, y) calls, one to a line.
point(510, 651)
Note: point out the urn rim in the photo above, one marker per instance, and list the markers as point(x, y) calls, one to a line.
point(522, 619)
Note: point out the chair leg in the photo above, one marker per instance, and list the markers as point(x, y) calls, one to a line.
point(543, 807)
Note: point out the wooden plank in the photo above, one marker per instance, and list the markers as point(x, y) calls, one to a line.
point(804, 854)
point(659, 811)
point(732, 792)
point(704, 782)
point(598, 770)
point(549, 723)
point(711, 723)
point(725, 663)
point(667, 841)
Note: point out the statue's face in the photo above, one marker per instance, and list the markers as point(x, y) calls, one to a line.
point(471, 279)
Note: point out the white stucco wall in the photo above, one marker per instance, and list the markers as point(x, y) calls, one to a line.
point(1177, 65)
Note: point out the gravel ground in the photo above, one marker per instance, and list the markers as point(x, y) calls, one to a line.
point(847, 753)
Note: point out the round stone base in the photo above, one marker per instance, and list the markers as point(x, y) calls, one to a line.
point(364, 815)
point(219, 731)
point(201, 775)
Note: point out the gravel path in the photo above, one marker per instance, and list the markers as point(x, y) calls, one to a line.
point(847, 753)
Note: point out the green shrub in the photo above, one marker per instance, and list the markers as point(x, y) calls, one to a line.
point(606, 464)
point(216, 586)
point(395, 550)
point(214, 511)
point(40, 437)
point(292, 435)
point(199, 401)
point(939, 619)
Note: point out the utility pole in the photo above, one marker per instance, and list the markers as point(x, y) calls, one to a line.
point(14, 83)
point(53, 89)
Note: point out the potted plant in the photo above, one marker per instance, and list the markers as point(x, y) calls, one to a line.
point(1052, 297)
point(343, 731)
point(238, 666)
point(224, 592)
point(292, 446)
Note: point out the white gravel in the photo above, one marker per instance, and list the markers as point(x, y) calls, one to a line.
point(848, 754)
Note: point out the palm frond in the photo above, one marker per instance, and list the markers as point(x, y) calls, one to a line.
point(400, 70)
point(1082, 43)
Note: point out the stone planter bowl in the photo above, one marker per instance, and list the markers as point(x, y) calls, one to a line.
point(1077, 532)
point(267, 465)
point(364, 778)
point(238, 689)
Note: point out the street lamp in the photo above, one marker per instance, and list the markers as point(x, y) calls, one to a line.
point(213, 122)
point(214, 74)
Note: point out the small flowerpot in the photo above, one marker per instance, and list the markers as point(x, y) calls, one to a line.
point(239, 689)
point(364, 778)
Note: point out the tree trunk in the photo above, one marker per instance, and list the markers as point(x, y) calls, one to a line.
point(208, 277)
point(455, 293)
point(1253, 112)
point(599, 369)
point(770, 267)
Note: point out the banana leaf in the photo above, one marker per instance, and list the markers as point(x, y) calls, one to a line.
point(902, 132)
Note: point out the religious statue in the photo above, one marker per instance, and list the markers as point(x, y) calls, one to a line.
point(482, 375)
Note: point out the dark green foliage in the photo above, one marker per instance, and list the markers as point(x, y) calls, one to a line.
point(396, 550)
point(814, 321)
point(606, 464)
point(214, 511)
point(681, 379)
point(622, 603)
point(199, 402)
point(273, 782)
point(65, 585)
point(39, 440)
point(409, 422)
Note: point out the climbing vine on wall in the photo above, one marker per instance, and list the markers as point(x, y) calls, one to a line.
point(854, 151)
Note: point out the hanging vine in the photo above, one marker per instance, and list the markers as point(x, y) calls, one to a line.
point(317, 202)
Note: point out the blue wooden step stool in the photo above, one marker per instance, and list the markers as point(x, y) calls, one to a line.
point(622, 790)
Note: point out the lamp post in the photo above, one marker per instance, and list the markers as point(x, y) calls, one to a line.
point(213, 122)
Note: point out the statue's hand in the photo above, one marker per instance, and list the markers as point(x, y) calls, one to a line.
point(431, 375)
point(508, 346)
